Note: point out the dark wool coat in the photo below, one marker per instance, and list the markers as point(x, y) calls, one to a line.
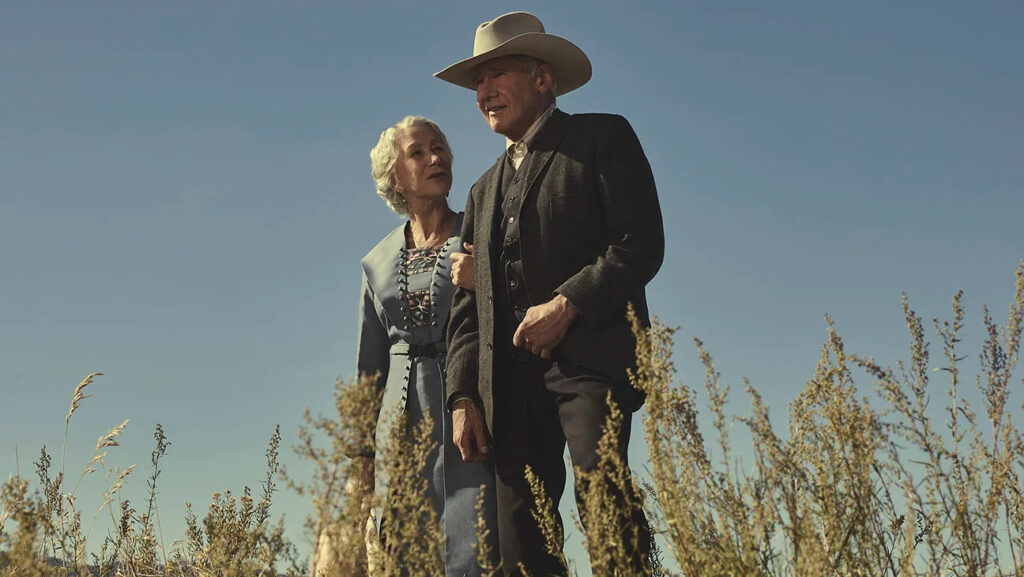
point(591, 230)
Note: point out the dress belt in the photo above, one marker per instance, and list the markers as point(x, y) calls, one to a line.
point(429, 350)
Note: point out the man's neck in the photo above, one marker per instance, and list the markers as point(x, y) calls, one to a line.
point(534, 128)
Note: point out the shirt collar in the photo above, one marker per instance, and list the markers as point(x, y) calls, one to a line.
point(533, 130)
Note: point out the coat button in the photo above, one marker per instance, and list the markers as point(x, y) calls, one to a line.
point(489, 347)
point(515, 180)
point(513, 283)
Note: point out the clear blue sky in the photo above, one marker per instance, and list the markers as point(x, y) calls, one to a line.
point(185, 195)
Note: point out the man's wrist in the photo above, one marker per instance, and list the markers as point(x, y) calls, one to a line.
point(456, 399)
point(565, 305)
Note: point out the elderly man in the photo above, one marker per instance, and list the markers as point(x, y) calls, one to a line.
point(565, 230)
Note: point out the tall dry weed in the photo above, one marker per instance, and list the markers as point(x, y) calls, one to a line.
point(42, 534)
point(857, 485)
point(861, 481)
point(342, 490)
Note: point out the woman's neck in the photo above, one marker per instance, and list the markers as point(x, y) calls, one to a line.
point(430, 224)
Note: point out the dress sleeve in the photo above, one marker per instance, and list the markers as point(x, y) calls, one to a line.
point(373, 349)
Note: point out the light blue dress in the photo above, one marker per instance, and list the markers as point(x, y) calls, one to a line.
point(405, 301)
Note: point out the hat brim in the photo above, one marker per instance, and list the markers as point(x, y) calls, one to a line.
point(571, 66)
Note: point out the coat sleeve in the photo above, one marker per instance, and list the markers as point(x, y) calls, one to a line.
point(373, 349)
point(463, 334)
point(635, 234)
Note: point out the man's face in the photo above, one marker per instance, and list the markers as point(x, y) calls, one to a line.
point(508, 97)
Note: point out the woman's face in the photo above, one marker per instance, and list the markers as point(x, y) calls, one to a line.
point(424, 165)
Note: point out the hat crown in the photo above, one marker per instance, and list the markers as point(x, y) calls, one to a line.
point(494, 33)
point(522, 34)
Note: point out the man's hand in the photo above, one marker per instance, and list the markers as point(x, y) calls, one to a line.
point(463, 269)
point(545, 326)
point(468, 432)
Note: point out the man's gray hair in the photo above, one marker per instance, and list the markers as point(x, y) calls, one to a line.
point(532, 66)
point(384, 155)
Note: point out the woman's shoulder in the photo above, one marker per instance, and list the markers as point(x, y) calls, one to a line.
point(385, 250)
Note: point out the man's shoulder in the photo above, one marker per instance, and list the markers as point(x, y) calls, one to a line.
point(488, 175)
point(598, 120)
point(593, 130)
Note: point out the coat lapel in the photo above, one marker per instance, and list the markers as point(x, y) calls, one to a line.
point(543, 149)
point(489, 209)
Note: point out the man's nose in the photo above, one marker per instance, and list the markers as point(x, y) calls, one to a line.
point(483, 89)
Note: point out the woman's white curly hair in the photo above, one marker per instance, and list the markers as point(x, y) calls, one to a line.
point(384, 156)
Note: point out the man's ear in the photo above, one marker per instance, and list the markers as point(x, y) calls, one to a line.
point(543, 79)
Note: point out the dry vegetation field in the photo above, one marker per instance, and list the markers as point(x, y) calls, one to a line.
point(869, 477)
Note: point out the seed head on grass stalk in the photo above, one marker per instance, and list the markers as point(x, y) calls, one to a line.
point(545, 515)
point(76, 401)
point(484, 557)
point(608, 499)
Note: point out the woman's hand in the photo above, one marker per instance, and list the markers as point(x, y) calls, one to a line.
point(463, 269)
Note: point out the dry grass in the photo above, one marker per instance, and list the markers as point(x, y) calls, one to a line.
point(862, 481)
point(857, 485)
point(41, 533)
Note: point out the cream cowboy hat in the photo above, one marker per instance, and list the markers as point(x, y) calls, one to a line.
point(522, 33)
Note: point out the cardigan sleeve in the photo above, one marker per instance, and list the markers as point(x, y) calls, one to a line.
point(463, 334)
point(635, 237)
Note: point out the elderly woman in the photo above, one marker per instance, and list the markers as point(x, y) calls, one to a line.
point(406, 296)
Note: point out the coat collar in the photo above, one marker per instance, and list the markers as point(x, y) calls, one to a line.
point(542, 149)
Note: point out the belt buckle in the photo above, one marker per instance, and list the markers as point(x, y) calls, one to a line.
point(428, 350)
